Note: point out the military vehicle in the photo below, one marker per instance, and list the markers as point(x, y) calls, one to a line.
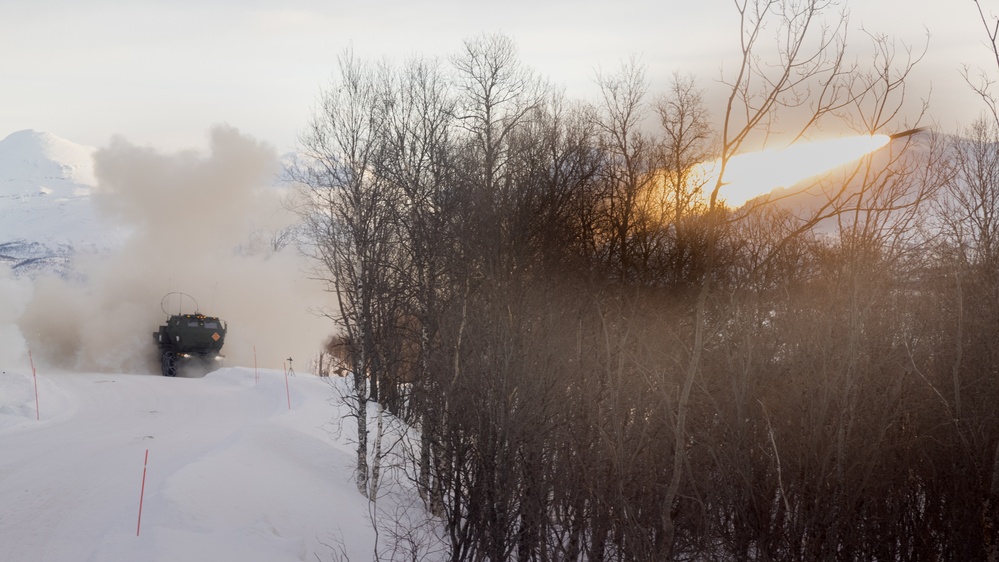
point(189, 342)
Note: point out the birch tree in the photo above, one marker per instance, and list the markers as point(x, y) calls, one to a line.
point(349, 225)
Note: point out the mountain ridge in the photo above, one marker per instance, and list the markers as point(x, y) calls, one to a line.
point(46, 213)
point(29, 155)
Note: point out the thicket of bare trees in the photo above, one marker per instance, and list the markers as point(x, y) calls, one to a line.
point(604, 362)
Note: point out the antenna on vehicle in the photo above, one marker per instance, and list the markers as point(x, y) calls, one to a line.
point(180, 305)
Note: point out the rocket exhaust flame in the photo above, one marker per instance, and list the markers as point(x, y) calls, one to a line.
point(752, 174)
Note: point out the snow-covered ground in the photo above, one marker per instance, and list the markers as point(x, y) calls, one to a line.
point(232, 474)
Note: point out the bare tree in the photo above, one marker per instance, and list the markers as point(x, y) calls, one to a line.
point(969, 301)
point(348, 223)
point(628, 173)
point(968, 211)
point(687, 143)
point(496, 92)
point(982, 83)
point(686, 146)
point(419, 162)
point(810, 79)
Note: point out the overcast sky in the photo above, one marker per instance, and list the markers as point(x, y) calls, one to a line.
point(162, 73)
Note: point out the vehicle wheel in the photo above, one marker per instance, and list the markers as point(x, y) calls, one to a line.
point(169, 364)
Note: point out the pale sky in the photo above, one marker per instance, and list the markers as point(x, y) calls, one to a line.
point(162, 73)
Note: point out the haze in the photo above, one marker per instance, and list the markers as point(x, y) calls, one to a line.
point(162, 74)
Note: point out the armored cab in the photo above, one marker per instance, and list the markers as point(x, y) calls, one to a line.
point(190, 340)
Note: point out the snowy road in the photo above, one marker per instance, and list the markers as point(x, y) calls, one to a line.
point(233, 474)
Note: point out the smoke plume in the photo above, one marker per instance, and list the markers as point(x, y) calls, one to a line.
point(14, 295)
point(202, 224)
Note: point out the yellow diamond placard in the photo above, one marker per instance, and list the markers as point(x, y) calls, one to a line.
point(216, 336)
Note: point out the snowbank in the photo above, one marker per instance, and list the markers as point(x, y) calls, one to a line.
point(233, 473)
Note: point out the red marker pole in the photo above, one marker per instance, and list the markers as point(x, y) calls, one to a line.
point(34, 376)
point(142, 492)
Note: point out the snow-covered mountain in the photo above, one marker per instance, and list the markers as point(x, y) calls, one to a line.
point(28, 157)
point(46, 213)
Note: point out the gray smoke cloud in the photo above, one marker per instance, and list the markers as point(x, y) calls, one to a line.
point(14, 295)
point(199, 223)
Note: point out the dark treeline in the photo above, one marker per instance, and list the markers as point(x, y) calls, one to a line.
point(605, 363)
